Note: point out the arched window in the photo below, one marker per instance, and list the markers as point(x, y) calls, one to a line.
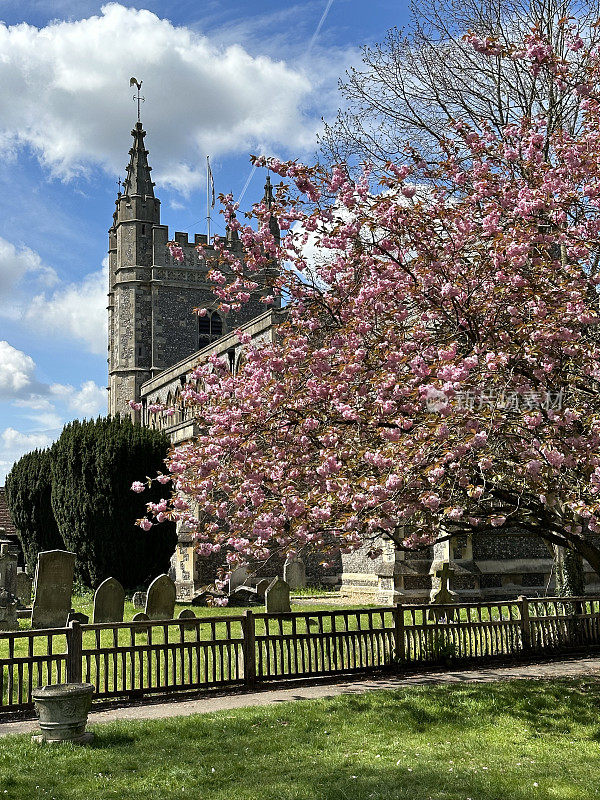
point(210, 328)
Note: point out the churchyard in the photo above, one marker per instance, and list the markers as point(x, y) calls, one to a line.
point(124, 651)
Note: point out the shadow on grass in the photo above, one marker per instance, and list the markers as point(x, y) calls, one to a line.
point(505, 741)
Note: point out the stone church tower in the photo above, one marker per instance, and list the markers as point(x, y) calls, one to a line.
point(151, 324)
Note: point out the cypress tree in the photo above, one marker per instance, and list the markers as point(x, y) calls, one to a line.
point(93, 466)
point(28, 494)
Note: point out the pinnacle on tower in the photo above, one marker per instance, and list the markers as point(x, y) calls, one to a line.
point(138, 180)
point(269, 201)
point(268, 198)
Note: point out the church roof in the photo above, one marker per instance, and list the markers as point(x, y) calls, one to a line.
point(138, 180)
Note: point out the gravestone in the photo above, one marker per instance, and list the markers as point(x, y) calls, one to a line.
point(78, 616)
point(244, 596)
point(8, 570)
point(262, 586)
point(237, 578)
point(8, 611)
point(24, 584)
point(53, 588)
point(187, 613)
point(109, 601)
point(141, 616)
point(139, 600)
point(294, 573)
point(442, 595)
point(277, 597)
point(160, 603)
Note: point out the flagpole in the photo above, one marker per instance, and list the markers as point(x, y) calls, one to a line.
point(207, 201)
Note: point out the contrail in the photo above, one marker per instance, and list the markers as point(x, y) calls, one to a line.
point(248, 179)
point(320, 25)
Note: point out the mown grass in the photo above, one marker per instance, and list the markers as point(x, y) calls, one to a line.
point(520, 740)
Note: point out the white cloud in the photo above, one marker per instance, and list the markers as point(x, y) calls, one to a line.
point(14, 444)
point(17, 373)
point(16, 264)
point(201, 97)
point(76, 310)
point(48, 413)
point(88, 401)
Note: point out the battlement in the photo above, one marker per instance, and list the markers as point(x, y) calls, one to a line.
point(182, 239)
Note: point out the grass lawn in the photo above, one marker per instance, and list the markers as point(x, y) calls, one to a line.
point(504, 741)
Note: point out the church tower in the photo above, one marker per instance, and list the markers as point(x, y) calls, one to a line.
point(130, 289)
point(151, 298)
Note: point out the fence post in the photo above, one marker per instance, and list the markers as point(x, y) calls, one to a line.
point(249, 649)
point(74, 646)
point(399, 653)
point(525, 623)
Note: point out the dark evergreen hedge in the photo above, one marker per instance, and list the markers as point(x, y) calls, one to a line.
point(28, 494)
point(90, 508)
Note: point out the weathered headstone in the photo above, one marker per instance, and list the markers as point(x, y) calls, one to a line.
point(187, 613)
point(277, 597)
point(24, 584)
point(294, 573)
point(139, 599)
point(109, 601)
point(141, 616)
point(8, 570)
point(8, 611)
point(262, 586)
point(53, 588)
point(160, 603)
point(237, 578)
point(442, 594)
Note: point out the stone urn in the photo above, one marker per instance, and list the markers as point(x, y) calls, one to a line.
point(63, 711)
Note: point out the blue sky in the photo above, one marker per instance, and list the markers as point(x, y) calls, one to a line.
point(220, 77)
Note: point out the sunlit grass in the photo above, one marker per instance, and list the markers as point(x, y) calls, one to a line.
point(522, 740)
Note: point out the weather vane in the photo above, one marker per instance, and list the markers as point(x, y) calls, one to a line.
point(135, 82)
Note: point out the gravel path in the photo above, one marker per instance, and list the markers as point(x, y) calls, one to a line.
point(152, 709)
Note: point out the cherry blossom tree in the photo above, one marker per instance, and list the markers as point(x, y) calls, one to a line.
point(436, 367)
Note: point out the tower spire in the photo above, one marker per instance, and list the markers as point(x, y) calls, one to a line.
point(138, 180)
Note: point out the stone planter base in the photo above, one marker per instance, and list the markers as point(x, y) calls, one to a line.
point(63, 711)
point(86, 738)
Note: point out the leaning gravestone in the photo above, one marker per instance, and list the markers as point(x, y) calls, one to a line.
point(160, 603)
point(244, 596)
point(24, 584)
point(262, 586)
point(8, 570)
point(109, 601)
point(277, 598)
point(139, 599)
point(237, 578)
point(294, 573)
point(53, 588)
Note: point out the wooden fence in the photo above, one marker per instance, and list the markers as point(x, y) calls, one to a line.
point(135, 658)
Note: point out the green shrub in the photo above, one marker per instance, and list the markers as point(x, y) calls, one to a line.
point(93, 466)
point(28, 494)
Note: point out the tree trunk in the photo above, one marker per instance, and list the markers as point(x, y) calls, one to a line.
point(568, 568)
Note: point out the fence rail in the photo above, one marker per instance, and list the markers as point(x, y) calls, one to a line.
point(135, 658)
